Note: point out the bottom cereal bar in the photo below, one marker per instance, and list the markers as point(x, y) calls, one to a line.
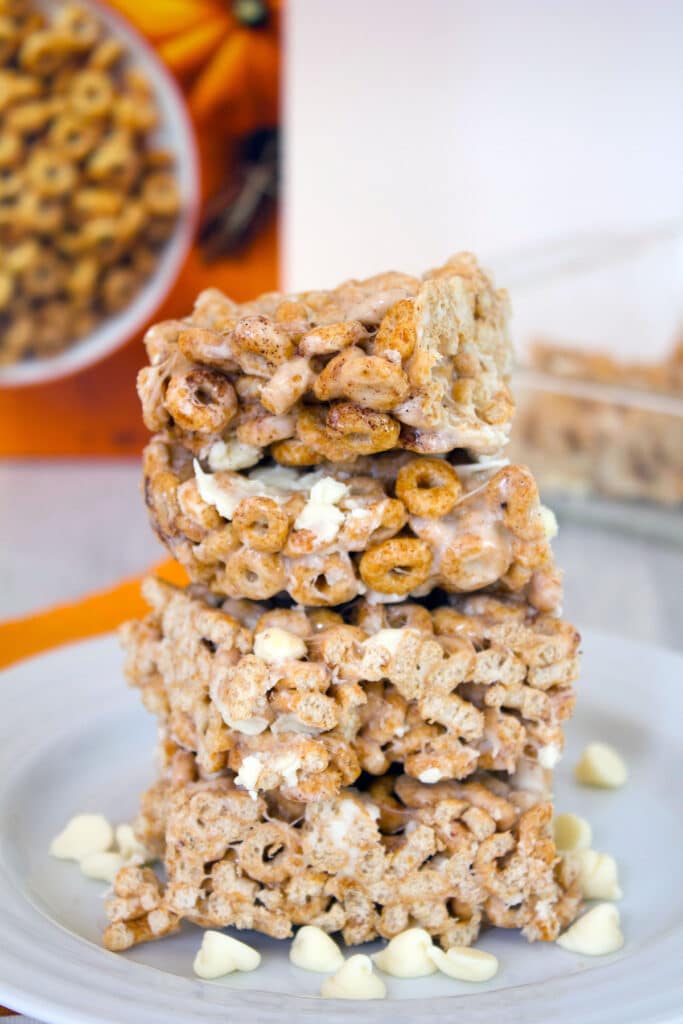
point(447, 857)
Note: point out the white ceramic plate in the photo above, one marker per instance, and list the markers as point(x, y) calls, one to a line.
point(175, 134)
point(73, 738)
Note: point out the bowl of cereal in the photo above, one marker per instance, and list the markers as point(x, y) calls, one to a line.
point(98, 186)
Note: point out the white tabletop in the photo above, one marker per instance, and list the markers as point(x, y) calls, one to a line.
point(67, 528)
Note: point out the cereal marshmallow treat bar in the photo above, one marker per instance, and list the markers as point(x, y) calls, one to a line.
point(387, 526)
point(303, 702)
point(447, 857)
point(391, 362)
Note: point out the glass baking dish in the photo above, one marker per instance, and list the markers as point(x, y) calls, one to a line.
point(604, 453)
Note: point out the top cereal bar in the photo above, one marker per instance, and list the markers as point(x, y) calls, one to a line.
point(387, 363)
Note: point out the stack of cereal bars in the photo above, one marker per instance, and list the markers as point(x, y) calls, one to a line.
point(361, 693)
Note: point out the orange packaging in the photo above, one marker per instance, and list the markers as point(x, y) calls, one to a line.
point(224, 58)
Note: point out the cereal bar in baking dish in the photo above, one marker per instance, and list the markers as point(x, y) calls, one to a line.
point(447, 857)
point(302, 702)
point(392, 362)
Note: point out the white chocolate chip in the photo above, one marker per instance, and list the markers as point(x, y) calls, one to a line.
point(247, 726)
point(549, 521)
point(102, 866)
point(83, 834)
point(549, 756)
point(274, 644)
point(597, 873)
point(601, 765)
point(464, 963)
point(130, 847)
point(314, 950)
point(232, 454)
point(220, 954)
point(248, 774)
point(596, 933)
point(407, 955)
point(355, 979)
point(320, 514)
point(572, 832)
point(430, 775)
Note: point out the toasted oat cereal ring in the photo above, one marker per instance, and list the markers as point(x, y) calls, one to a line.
point(201, 400)
point(397, 565)
point(11, 149)
point(259, 347)
point(157, 158)
point(23, 255)
point(138, 82)
point(114, 161)
point(469, 562)
point(45, 277)
point(199, 516)
point(132, 220)
point(270, 853)
point(428, 487)
point(287, 385)
point(43, 52)
point(16, 339)
point(118, 286)
point(323, 580)
point(137, 113)
point(262, 429)
point(514, 488)
point(106, 54)
point(143, 260)
point(293, 621)
point(203, 346)
point(30, 117)
point(79, 26)
point(323, 618)
point(295, 316)
point(254, 574)
point(361, 431)
point(10, 40)
point(425, 442)
point(328, 339)
point(393, 518)
point(500, 408)
point(40, 214)
point(102, 235)
point(160, 194)
point(11, 182)
point(367, 381)
point(397, 333)
point(6, 289)
point(82, 278)
point(50, 174)
point(408, 616)
point(261, 524)
point(72, 137)
point(98, 202)
point(91, 93)
point(54, 327)
point(294, 452)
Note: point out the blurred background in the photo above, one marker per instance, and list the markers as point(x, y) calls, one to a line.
point(149, 150)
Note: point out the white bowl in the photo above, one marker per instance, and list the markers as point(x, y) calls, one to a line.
point(175, 134)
